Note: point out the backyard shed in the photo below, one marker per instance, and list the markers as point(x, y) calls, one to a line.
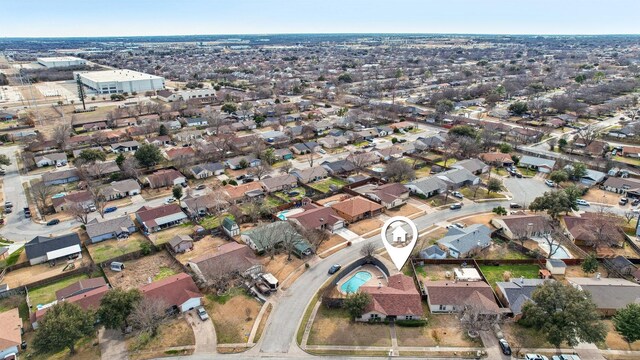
point(556, 266)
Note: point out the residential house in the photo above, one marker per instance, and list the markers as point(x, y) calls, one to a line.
point(125, 122)
point(332, 142)
point(363, 159)
point(279, 183)
point(609, 294)
point(126, 146)
point(430, 142)
point(195, 122)
point(433, 252)
point(180, 153)
point(517, 292)
point(394, 152)
point(165, 178)
point(274, 137)
point(585, 230)
point(55, 159)
point(357, 208)
point(474, 166)
point(265, 237)
point(77, 152)
point(591, 177)
point(230, 227)
point(427, 187)
point(11, 335)
point(181, 243)
point(497, 159)
point(87, 301)
point(202, 205)
point(60, 177)
point(539, 164)
point(305, 148)
point(626, 186)
point(243, 192)
point(121, 189)
point(283, 154)
point(44, 248)
point(205, 170)
point(80, 287)
point(457, 178)
point(398, 300)
point(338, 167)
point(389, 195)
point(525, 134)
point(310, 175)
point(177, 292)
point(120, 227)
point(188, 135)
point(155, 219)
point(227, 258)
point(172, 125)
point(623, 265)
point(82, 199)
point(445, 296)
point(95, 126)
point(319, 218)
point(462, 243)
point(631, 151)
point(162, 140)
point(516, 227)
point(101, 168)
point(240, 162)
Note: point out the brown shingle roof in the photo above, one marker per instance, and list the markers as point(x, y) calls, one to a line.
point(230, 256)
point(315, 217)
point(460, 293)
point(356, 206)
point(174, 290)
point(148, 213)
point(400, 297)
point(10, 324)
point(80, 287)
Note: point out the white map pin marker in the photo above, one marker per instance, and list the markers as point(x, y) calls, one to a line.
point(404, 246)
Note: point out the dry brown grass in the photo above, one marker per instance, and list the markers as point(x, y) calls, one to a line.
point(615, 341)
point(207, 244)
point(280, 267)
point(365, 226)
point(484, 219)
point(233, 317)
point(405, 210)
point(86, 349)
point(137, 272)
point(173, 333)
point(442, 330)
point(602, 196)
point(430, 238)
point(31, 274)
point(333, 327)
point(263, 322)
point(436, 272)
point(333, 241)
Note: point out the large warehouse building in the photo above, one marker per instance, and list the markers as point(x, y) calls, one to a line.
point(61, 61)
point(120, 81)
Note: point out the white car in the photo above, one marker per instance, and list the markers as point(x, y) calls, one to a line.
point(170, 200)
point(582, 202)
point(322, 151)
point(202, 313)
point(550, 183)
point(535, 357)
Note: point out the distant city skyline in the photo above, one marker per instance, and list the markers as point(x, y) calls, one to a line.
point(75, 18)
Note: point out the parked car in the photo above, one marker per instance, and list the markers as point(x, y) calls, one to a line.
point(550, 183)
point(92, 208)
point(53, 222)
point(582, 202)
point(504, 346)
point(635, 202)
point(334, 269)
point(202, 313)
point(623, 201)
point(8, 210)
point(201, 187)
point(184, 184)
point(455, 206)
point(170, 200)
point(457, 194)
point(515, 206)
point(322, 151)
point(110, 209)
point(535, 357)
point(8, 204)
point(565, 357)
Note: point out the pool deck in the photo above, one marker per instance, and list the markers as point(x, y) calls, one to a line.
point(378, 276)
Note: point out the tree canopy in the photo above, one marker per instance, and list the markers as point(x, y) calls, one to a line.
point(627, 322)
point(463, 130)
point(92, 155)
point(356, 303)
point(397, 171)
point(116, 306)
point(229, 108)
point(519, 107)
point(555, 202)
point(148, 155)
point(61, 327)
point(565, 314)
point(559, 176)
point(4, 160)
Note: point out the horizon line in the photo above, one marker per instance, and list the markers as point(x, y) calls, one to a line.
point(317, 33)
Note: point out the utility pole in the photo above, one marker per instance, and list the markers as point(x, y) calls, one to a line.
point(80, 91)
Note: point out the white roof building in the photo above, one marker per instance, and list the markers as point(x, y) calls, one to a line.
point(120, 81)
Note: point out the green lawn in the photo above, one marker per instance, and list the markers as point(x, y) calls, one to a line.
point(494, 274)
point(324, 185)
point(46, 294)
point(212, 222)
point(13, 258)
point(527, 172)
point(284, 196)
point(449, 162)
point(480, 194)
point(112, 248)
point(164, 272)
point(627, 160)
point(273, 201)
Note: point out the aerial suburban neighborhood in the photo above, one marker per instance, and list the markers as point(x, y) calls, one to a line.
point(218, 196)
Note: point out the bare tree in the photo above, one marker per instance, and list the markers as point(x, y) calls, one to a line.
point(41, 194)
point(61, 134)
point(286, 167)
point(148, 315)
point(310, 156)
point(131, 168)
point(629, 215)
point(398, 170)
point(553, 237)
point(260, 171)
point(588, 134)
point(223, 277)
point(289, 239)
point(368, 250)
point(99, 199)
point(474, 317)
point(78, 212)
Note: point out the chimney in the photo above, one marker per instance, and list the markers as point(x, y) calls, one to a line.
point(149, 280)
point(379, 284)
point(521, 279)
point(598, 275)
point(529, 229)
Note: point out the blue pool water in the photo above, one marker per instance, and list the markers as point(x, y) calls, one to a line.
point(282, 215)
point(353, 284)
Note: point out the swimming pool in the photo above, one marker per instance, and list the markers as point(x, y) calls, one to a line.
point(353, 284)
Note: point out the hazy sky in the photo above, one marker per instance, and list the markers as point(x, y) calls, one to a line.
point(185, 17)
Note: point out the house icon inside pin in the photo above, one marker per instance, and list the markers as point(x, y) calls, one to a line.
point(399, 235)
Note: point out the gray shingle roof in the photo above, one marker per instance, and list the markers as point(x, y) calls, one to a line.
point(464, 240)
point(41, 245)
point(97, 228)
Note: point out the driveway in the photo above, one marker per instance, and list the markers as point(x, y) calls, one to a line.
point(524, 190)
point(204, 332)
point(112, 345)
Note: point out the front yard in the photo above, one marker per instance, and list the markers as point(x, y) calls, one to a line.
point(441, 330)
point(364, 226)
point(46, 294)
point(495, 274)
point(333, 327)
point(173, 333)
point(324, 186)
point(109, 249)
point(480, 193)
point(233, 315)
